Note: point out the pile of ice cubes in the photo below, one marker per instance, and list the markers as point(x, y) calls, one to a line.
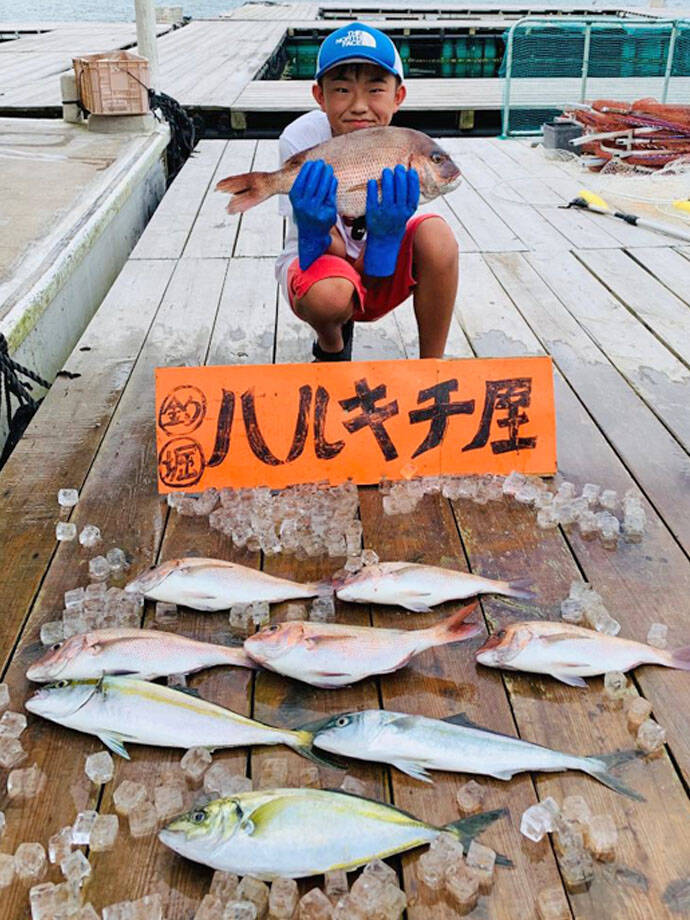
point(444, 871)
point(585, 607)
point(578, 837)
point(307, 520)
point(95, 606)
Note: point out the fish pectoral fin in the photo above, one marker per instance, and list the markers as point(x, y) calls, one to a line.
point(416, 606)
point(115, 744)
point(413, 768)
point(572, 680)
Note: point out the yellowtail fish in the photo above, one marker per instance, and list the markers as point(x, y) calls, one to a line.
point(334, 655)
point(420, 587)
point(120, 710)
point(355, 158)
point(214, 584)
point(416, 744)
point(293, 833)
point(570, 653)
point(143, 653)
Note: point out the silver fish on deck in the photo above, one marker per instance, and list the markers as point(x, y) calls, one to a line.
point(420, 587)
point(570, 653)
point(334, 654)
point(120, 710)
point(143, 653)
point(294, 833)
point(416, 744)
point(355, 158)
point(214, 584)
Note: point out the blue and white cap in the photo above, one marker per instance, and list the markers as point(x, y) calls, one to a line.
point(358, 43)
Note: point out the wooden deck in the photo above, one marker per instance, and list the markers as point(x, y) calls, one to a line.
point(609, 302)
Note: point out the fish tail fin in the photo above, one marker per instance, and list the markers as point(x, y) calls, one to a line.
point(609, 761)
point(680, 658)
point(520, 588)
point(247, 190)
point(466, 829)
point(302, 741)
point(454, 629)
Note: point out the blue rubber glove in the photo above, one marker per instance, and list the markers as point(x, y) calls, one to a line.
point(313, 203)
point(387, 218)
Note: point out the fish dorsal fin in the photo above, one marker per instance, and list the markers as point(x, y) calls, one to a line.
point(461, 718)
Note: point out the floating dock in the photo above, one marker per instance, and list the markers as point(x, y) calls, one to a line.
point(608, 301)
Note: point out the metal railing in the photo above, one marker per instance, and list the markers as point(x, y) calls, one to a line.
point(588, 27)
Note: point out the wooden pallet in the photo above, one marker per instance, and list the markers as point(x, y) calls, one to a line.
point(199, 289)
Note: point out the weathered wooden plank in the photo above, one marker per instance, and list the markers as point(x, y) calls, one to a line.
point(623, 577)
point(261, 228)
point(294, 337)
point(245, 326)
point(651, 369)
point(439, 683)
point(60, 443)
point(668, 266)
point(214, 232)
point(378, 341)
point(484, 225)
point(657, 308)
point(166, 233)
point(441, 207)
point(617, 410)
point(119, 494)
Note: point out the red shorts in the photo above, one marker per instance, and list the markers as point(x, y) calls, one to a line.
point(372, 303)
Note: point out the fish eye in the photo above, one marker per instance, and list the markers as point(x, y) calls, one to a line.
point(501, 634)
point(56, 647)
point(271, 629)
point(198, 817)
point(437, 156)
point(61, 684)
point(342, 721)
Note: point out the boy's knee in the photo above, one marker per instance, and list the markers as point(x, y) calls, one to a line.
point(330, 300)
point(435, 244)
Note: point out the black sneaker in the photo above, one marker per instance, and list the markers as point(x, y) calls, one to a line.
point(345, 354)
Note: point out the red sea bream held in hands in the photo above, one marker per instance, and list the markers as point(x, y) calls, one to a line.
point(355, 158)
point(570, 653)
point(334, 654)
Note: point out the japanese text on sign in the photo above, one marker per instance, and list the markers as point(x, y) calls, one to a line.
point(278, 425)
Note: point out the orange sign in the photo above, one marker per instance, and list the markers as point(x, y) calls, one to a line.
point(281, 424)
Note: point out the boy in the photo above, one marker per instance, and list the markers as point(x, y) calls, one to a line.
point(334, 274)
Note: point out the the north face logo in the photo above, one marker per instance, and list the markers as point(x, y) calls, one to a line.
point(356, 38)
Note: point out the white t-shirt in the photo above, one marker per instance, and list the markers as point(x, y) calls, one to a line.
point(306, 131)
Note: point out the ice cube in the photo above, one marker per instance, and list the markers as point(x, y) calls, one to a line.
point(128, 796)
point(67, 498)
point(168, 801)
point(282, 901)
point(431, 868)
point(260, 613)
point(42, 901)
point(658, 635)
point(615, 685)
point(6, 869)
point(95, 591)
point(366, 893)
point(11, 752)
point(194, 764)
point(588, 525)
point(482, 860)
point(637, 710)
point(165, 614)
point(470, 797)
point(103, 833)
point(68, 901)
point(216, 778)
point(122, 910)
point(209, 909)
point(150, 907)
point(75, 867)
point(90, 535)
point(572, 610)
point(536, 821)
point(345, 909)
point(273, 773)
point(74, 599)
point(240, 618)
point(335, 885)
point(224, 885)
point(547, 518)
point(527, 493)
point(552, 904)
point(591, 492)
point(462, 885)
point(99, 569)
point(30, 862)
point(99, 767)
point(82, 827)
point(4, 697)
point(382, 871)
point(577, 869)
point(26, 783)
point(447, 846)
point(568, 838)
point(575, 810)
point(651, 737)
point(353, 785)
point(601, 837)
point(116, 559)
point(52, 632)
point(322, 610)
point(143, 820)
point(240, 910)
point(256, 892)
point(608, 499)
point(296, 612)
point(513, 482)
point(236, 784)
point(369, 557)
point(87, 912)
point(65, 531)
point(309, 777)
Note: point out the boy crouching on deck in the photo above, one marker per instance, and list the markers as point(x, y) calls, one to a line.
point(335, 273)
